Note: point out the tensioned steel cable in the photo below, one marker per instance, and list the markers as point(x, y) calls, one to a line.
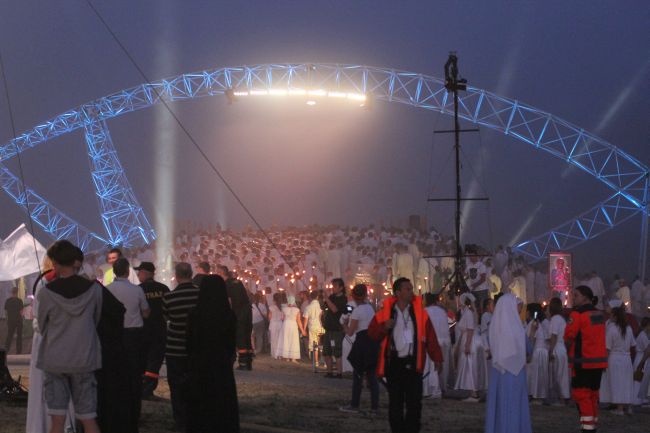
point(20, 162)
point(187, 133)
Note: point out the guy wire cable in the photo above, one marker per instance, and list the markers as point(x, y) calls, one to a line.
point(187, 132)
point(20, 163)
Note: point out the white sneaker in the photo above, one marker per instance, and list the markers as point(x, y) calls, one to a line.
point(348, 409)
point(471, 399)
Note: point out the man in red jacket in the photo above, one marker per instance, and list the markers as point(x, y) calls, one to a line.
point(585, 339)
point(405, 332)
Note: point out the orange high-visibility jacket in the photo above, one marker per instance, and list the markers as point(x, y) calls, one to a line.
point(585, 334)
point(426, 338)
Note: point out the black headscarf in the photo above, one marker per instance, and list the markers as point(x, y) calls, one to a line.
point(211, 325)
point(213, 305)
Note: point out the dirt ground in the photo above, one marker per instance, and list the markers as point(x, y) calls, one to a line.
point(281, 397)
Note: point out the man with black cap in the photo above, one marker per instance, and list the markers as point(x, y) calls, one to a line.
point(155, 328)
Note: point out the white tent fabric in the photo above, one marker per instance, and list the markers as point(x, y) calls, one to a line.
point(18, 257)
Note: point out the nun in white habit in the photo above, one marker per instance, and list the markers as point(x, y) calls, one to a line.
point(507, 408)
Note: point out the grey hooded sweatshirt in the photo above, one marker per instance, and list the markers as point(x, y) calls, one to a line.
point(68, 313)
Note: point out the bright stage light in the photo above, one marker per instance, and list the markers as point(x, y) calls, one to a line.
point(313, 94)
point(337, 94)
point(356, 97)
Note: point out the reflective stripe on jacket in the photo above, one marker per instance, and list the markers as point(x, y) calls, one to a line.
point(585, 333)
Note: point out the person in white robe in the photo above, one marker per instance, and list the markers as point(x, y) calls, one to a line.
point(275, 322)
point(598, 289)
point(537, 331)
point(623, 293)
point(636, 296)
point(558, 358)
point(288, 347)
point(642, 363)
point(434, 385)
point(518, 287)
point(403, 264)
point(466, 349)
point(616, 385)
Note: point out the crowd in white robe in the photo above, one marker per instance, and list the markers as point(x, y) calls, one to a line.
point(294, 261)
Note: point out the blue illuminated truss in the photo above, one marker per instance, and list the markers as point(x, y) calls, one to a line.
point(126, 223)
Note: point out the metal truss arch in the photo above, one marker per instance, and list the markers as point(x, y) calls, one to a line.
point(622, 173)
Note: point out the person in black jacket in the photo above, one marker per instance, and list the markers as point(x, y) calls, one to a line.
point(155, 328)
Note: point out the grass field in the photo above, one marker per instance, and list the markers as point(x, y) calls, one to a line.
point(278, 396)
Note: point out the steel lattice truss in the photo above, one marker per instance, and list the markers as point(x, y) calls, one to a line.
point(126, 223)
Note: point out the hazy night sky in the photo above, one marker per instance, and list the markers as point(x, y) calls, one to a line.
point(587, 62)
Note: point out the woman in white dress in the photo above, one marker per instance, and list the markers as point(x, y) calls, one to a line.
point(642, 362)
point(558, 359)
point(289, 339)
point(434, 384)
point(616, 385)
point(483, 342)
point(466, 353)
point(537, 369)
point(275, 322)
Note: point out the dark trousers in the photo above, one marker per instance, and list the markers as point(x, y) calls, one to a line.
point(404, 395)
point(132, 339)
point(357, 384)
point(14, 327)
point(154, 353)
point(177, 378)
point(585, 386)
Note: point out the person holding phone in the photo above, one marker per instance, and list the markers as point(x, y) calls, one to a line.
point(537, 331)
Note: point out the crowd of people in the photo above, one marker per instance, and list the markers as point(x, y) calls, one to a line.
point(375, 302)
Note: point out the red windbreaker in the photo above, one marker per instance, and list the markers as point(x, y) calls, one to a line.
point(426, 338)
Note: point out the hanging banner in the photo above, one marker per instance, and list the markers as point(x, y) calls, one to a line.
point(560, 266)
point(20, 255)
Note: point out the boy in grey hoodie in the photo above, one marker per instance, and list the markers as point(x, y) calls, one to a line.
point(68, 312)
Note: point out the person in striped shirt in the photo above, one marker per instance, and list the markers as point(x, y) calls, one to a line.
point(176, 306)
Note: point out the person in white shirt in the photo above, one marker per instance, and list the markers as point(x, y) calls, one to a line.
point(313, 324)
point(137, 308)
point(260, 323)
point(363, 355)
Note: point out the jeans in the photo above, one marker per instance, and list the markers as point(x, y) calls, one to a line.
point(357, 384)
point(177, 378)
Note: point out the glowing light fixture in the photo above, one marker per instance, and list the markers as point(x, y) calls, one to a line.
point(312, 94)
